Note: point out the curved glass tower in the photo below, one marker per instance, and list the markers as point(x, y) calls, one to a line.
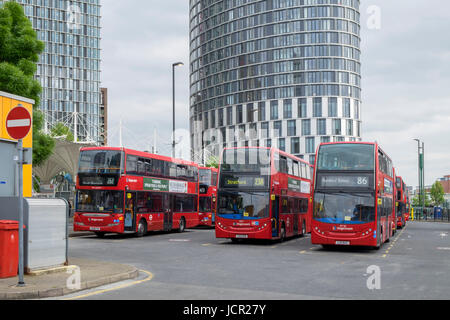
point(281, 73)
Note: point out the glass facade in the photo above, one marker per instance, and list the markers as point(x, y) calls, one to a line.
point(69, 67)
point(291, 59)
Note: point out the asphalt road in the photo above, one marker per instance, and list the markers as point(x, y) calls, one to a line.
point(196, 266)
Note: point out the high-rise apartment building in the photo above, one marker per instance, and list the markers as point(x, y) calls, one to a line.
point(281, 73)
point(69, 68)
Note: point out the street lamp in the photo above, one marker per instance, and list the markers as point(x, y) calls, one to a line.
point(176, 64)
point(421, 173)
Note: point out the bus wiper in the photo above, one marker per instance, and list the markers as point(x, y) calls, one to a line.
point(364, 195)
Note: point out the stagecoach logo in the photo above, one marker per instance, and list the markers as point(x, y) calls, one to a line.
point(343, 228)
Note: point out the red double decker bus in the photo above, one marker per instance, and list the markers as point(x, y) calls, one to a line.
point(353, 195)
point(207, 195)
point(401, 202)
point(263, 194)
point(126, 191)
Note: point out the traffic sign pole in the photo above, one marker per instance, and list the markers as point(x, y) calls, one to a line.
point(20, 173)
point(18, 125)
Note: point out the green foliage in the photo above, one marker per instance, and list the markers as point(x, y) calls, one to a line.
point(60, 130)
point(418, 200)
point(213, 162)
point(19, 53)
point(437, 194)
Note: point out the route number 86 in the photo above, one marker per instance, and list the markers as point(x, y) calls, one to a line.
point(362, 181)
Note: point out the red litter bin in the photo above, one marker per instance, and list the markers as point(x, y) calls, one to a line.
point(9, 248)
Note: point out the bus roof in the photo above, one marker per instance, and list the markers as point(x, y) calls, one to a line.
point(142, 154)
point(357, 142)
point(272, 150)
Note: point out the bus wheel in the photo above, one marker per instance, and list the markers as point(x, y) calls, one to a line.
point(142, 228)
point(182, 225)
point(100, 234)
point(283, 233)
point(304, 229)
point(379, 241)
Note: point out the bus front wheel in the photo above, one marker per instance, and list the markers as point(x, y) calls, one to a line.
point(182, 225)
point(142, 229)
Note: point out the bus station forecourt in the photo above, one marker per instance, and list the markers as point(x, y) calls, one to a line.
point(349, 197)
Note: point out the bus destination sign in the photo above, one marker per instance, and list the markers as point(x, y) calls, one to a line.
point(349, 181)
point(244, 182)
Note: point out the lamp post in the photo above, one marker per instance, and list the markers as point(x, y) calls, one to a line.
point(176, 64)
point(421, 173)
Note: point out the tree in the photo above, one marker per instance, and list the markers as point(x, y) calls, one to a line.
point(61, 131)
point(213, 162)
point(437, 194)
point(417, 201)
point(19, 53)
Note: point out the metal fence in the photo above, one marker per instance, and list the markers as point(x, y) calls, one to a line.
point(429, 214)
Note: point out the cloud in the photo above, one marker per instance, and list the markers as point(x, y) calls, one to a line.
point(405, 76)
point(141, 40)
point(405, 81)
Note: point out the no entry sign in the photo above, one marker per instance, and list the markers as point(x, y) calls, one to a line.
point(18, 123)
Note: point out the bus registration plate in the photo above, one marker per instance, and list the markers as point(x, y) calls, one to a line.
point(94, 229)
point(241, 236)
point(343, 243)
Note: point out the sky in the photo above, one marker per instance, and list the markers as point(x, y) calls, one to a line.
point(405, 77)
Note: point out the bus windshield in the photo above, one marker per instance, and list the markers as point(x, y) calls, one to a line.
point(346, 157)
point(100, 161)
point(344, 208)
point(246, 160)
point(205, 204)
point(205, 176)
point(243, 205)
point(100, 201)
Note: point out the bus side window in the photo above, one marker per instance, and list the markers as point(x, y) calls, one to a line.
point(132, 165)
point(296, 170)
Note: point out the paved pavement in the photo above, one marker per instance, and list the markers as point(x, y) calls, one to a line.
point(59, 283)
point(54, 282)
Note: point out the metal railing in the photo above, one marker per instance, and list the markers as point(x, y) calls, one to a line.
point(429, 214)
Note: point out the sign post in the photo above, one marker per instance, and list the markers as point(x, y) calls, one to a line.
point(18, 125)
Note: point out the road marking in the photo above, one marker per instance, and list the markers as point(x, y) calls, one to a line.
point(393, 243)
point(303, 252)
point(442, 248)
point(206, 244)
point(149, 274)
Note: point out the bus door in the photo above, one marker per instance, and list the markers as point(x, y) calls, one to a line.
point(213, 209)
point(168, 212)
point(130, 214)
point(275, 216)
